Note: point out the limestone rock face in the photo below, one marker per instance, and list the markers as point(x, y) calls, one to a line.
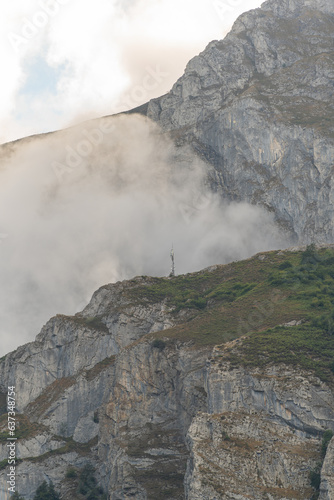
point(157, 415)
point(33, 447)
point(245, 455)
point(69, 346)
point(63, 379)
point(258, 107)
point(155, 396)
point(327, 474)
point(260, 438)
point(301, 402)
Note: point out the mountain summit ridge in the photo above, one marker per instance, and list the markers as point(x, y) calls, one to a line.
point(258, 107)
point(204, 386)
point(216, 384)
point(296, 5)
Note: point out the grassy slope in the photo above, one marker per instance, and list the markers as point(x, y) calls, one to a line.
point(248, 299)
point(252, 298)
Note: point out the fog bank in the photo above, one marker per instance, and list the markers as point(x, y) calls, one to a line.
point(104, 202)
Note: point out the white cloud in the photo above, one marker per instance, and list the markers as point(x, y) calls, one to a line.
point(103, 48)
point(107, 221)
point(112, 216)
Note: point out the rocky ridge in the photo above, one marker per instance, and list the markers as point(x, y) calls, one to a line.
point(160, 414)
point(137, 387)
point(327, 474)
point(258, 107)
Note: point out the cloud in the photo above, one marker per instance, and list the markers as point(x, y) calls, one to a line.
point(103, 50)
point(92, 205)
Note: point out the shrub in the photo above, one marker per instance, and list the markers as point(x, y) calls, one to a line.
point(198, 303)
point(315, 479)
point(159, 344)
point(310, 255)
point(71, 472)
point(16, 496)
point(225, 436)
point(3, 463)
point(87, 484)
point(285, 265)
point(46, 492)
point(325, 322)
point(325, 441)
point(87, 481)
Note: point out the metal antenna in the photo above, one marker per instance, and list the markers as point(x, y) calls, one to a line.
point(172, 272)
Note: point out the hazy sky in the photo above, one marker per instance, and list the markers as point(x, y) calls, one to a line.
point(67, 60)
point(111, 215)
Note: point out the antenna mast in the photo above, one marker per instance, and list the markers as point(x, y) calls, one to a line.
point(172, 271)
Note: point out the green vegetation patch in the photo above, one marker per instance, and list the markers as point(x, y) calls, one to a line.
point(46, 491)
point(307, 289)
point(4, 463)
point(3, 403)
point(51, 394)
point(82, 483)
point(256, 298)
point(326, 438)
point(24, 428)
point(93, 322)
point(315, 474)
point(303, 346)
point(82, 449)
point(87, 485)
point(99, 367)
point(195, 291)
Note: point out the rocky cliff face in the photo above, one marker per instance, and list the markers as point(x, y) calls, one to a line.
point(135, 384)
point(327, 474)
point(64, 377)
point(260, 438)
point(258, 106)
point(127, 386)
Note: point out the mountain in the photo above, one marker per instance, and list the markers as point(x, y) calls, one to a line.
point(258, 106)
point(217, 384)
point(158, 390)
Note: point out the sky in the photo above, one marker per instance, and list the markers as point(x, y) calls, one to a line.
point(65, 61)
point(115, 213)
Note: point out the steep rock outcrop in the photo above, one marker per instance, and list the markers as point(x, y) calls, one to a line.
point(166, 412)
point(261, 436)
point(63, 378)
point(327, 474)
point(258, 107)
point(299, 400)
point(68, 346)
point(241, 455)
point(156, 394)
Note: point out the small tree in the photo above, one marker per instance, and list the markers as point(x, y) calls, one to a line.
point(87, 481)
point(315, 479)
point(310, 255)
point(16, 496)
point(88, 485)
point(46, 492)
point(159, 344)
point(71, 473)
point(325, 441)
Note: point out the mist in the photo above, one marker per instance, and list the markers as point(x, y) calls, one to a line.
point(102, 202)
